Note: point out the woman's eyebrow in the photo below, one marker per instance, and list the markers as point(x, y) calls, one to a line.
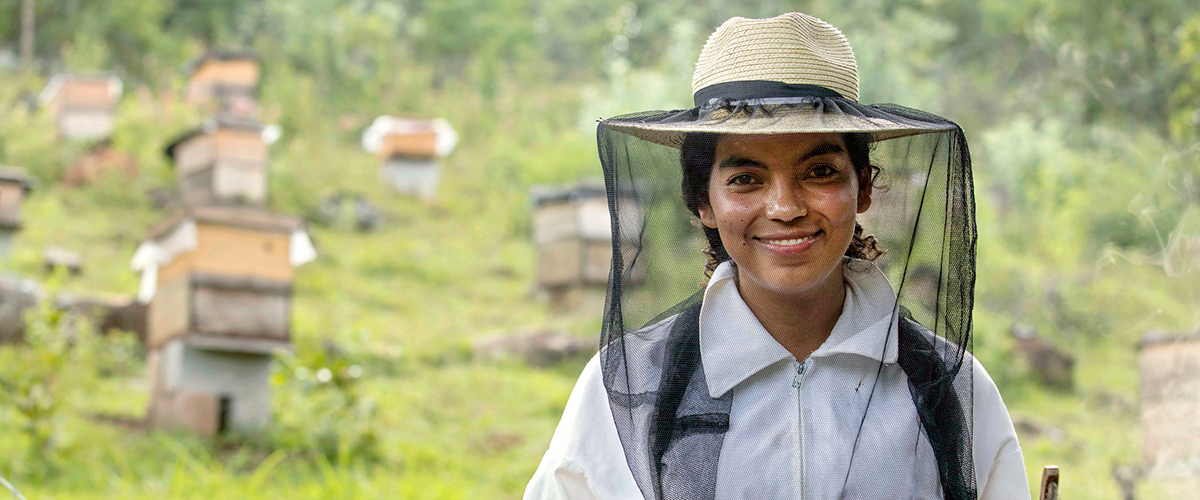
point(822, 149)
point(739, 161)
point(819, 150)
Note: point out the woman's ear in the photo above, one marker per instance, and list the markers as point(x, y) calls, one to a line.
point(706, 216)
point(864, 198)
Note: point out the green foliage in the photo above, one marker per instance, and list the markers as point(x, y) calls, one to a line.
point(35, 382)
point(27, 138)
point(44, 378)
point(1185, 122)
point(1087, 214)
point(325, 410)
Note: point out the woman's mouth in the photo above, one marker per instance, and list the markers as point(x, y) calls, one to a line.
point(790, 244)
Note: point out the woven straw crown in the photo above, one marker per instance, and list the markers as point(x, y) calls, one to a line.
point(747, 62)
point(792, 48)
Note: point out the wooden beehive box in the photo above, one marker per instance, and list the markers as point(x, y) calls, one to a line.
point(14, 187)
point(572, 233)
point(225, 80)
point(417, 144)
point(222, 162)
point(231, 292)
point(85, 124)
point(15, 184)
point(1169, 365)
point(82, 105)
point(72, 91)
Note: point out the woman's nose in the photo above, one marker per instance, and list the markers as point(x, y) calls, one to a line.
point(785, 202)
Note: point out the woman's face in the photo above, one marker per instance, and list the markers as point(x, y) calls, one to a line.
point(784, 206)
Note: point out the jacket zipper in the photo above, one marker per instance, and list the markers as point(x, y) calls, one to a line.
point(798, 383)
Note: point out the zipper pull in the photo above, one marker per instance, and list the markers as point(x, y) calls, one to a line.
point(800, 367)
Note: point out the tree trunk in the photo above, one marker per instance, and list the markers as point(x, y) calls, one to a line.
point(27, 33)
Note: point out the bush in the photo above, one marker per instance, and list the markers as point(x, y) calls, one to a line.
point(40, 377)
point(323, 408)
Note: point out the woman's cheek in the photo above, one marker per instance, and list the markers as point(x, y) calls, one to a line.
point(838, 205)
point(735, 210)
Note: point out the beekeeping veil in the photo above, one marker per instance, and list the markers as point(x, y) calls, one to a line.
point(789, 74)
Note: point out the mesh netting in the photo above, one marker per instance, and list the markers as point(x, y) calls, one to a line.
point(922, 214)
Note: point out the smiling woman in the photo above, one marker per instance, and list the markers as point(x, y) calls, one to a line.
point(698, 156)
point(783, 207)
point(810, 365)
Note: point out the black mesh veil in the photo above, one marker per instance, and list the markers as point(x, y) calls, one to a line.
point(922, 215)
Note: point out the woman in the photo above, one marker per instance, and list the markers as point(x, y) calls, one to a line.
point(799, 371)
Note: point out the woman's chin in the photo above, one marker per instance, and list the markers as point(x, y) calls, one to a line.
point(792, 280)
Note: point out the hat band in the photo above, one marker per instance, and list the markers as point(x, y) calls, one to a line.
point(759, 89)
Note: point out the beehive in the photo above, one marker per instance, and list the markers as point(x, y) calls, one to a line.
point(1169, 365)
point(82, 105)
point(572, 233)
point(224, 161)
point(225, 81)
point(14, 186)
point(408, 150)
point(221, 280)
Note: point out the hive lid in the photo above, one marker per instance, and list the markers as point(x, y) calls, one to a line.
point(19, 175)
point(222, 55)
point(1155, 337)
point(178, 233)
point(237, 216)
point(212, 125)
point(541, 195)
point(57, 82)
point(444, 141)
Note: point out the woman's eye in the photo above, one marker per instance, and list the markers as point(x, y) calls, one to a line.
point(821, 171)
point(742, 180)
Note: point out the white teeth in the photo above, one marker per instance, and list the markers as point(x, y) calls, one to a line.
point(794, 241)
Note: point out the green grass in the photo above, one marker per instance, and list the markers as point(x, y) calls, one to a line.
point(409, 299)
point(412, 297)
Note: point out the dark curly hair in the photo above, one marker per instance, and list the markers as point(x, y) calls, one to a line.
point(697, 156)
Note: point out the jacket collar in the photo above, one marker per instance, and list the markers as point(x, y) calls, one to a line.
point(734, 345)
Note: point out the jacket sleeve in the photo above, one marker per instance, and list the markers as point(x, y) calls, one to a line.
point(999, 464)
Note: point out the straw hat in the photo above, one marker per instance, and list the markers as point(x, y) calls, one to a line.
point(792, 73)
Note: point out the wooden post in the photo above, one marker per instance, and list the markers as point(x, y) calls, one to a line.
point(1049, 483)
point(27, 33)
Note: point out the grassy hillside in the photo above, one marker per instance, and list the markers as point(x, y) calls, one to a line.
point(404, 303)
point(427, 420)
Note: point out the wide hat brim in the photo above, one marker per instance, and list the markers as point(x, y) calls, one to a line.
point(777, 117)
